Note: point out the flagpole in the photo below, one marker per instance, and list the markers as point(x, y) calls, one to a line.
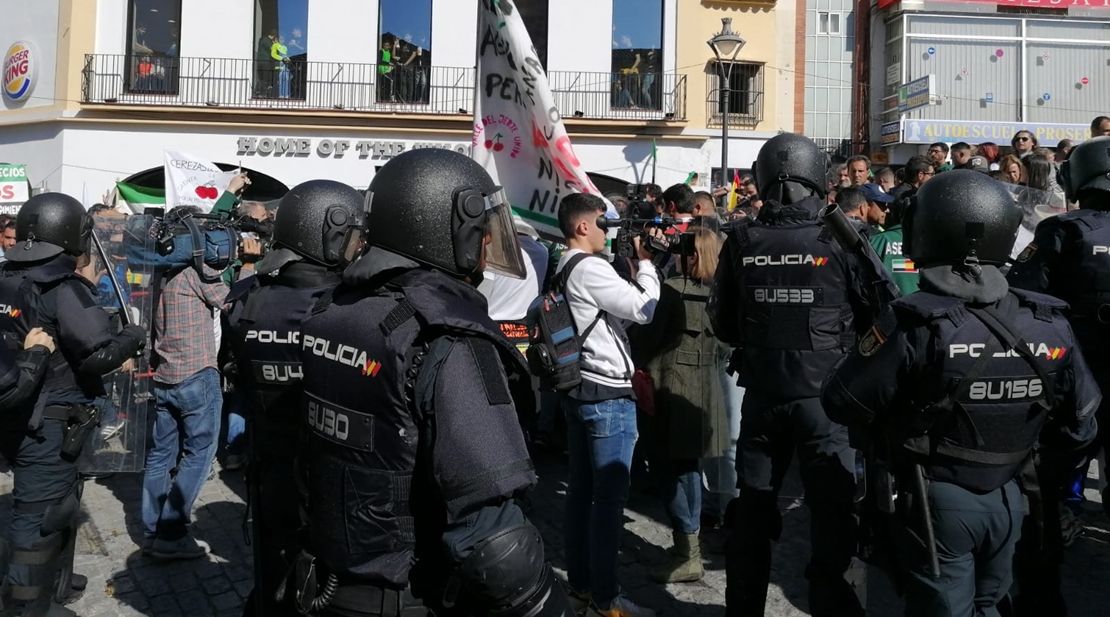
point(654, 159)
point(477, 61)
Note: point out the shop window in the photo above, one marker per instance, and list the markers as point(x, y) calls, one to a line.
point(280, 48)
point(745, 86)
point(152, 46)
point(828, 23)
point(534, 15)
point(637, 53)
point(404, 52)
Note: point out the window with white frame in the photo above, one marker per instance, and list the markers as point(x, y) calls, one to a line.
point(829, 22)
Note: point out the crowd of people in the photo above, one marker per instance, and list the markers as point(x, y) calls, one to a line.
point(357, 354)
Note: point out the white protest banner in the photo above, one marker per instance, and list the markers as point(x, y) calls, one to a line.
point(13, 184)
point(191, 181)
point(519, 137)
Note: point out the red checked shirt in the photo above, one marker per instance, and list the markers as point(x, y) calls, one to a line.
point(184, 338)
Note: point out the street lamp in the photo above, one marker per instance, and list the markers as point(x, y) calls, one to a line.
point(726, 45)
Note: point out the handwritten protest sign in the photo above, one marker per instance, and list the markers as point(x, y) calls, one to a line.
point(191, 181)
point(518, 133)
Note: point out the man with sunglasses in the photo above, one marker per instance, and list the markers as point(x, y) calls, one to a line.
point(878, 204)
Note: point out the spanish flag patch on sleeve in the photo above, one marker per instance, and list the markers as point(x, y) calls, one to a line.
point(904, 265)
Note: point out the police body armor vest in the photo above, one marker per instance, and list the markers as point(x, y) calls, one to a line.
point(361, 358)
point(980, 438)
point(797, 322)
point(1083, 279)
point(266, 322)
point(22, 295)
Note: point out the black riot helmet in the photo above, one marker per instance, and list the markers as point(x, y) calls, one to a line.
point(788, 165)
point(958, 217)
point(49, 224)
point(321, 221)
point(439, 208)
point(1087, 168)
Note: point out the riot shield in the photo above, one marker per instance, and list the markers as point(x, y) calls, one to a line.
point(1036, 205)
point(119, 445)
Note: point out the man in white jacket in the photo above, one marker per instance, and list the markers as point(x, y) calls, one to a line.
point(601, 411)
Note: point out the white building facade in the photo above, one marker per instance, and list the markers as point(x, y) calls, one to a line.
point(341, 87)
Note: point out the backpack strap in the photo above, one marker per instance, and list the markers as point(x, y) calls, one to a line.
point(559, 285)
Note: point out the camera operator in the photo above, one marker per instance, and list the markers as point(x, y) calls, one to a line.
point(188, 394)
point(601, 412)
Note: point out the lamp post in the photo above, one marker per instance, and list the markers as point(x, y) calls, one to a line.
point(726, 46)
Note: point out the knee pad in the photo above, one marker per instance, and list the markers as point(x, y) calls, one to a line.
point(60, 516)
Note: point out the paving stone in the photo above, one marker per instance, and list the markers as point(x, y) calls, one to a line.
point(122, 583)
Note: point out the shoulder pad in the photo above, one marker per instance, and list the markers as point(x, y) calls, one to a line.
point(1034, 299)
point(1072, 215)
point(241, 288)
point(925, 304)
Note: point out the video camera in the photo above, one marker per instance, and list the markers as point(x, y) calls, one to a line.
point(176, 236)
point(638, 205)
point(627, 229)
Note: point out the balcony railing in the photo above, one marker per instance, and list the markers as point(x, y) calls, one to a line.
point(436, 90)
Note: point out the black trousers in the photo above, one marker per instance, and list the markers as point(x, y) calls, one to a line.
point(771, 431)
point(46, 497)
point(276, 519)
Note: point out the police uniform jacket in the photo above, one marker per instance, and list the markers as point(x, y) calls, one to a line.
point(51, 295)
point(265, 317)
point(1069, 258)
point(787, 297)
point(948, 393)
point(414, 449)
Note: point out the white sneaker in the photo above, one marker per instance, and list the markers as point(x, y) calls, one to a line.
point(621, 606)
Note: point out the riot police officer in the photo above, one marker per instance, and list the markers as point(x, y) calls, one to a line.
point(787, 297)
point(42, 438)
point(1069, 259)
point(414, 449)
point(961, 381)
point(315, 224)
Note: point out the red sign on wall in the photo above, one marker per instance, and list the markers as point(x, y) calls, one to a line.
point(1042, 4)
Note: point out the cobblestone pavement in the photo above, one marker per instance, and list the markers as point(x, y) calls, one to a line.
point(122, 582)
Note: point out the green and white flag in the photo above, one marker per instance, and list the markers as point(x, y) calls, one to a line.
point(135, 198)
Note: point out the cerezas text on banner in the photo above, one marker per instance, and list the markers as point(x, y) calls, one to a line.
point(518, 133)
point(191, 181)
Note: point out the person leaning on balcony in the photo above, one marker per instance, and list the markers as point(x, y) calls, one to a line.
point(264, 65)
point(385, 66)
point(280, 53)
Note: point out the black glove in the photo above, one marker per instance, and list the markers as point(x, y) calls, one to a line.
point(136, 334)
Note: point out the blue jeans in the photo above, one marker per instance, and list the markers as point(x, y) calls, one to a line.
point(187, 423)
point(680, 485)
point(600, 440)
point(285, 84)
point(236, 423)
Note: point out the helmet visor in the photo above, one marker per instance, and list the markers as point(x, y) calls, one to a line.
point(503, 253)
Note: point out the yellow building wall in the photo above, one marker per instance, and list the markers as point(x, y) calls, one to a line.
point(770, 31)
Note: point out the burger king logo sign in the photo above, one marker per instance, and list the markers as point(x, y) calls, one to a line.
point(19, 71)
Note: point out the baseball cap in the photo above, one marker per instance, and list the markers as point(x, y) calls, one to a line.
point(979, 163)
point(874, 192)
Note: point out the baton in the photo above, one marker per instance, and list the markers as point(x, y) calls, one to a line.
point(125, 311)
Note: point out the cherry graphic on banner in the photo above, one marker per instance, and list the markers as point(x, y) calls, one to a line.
point(1083, 81)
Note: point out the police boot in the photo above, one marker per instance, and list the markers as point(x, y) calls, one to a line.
point(685, 565)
